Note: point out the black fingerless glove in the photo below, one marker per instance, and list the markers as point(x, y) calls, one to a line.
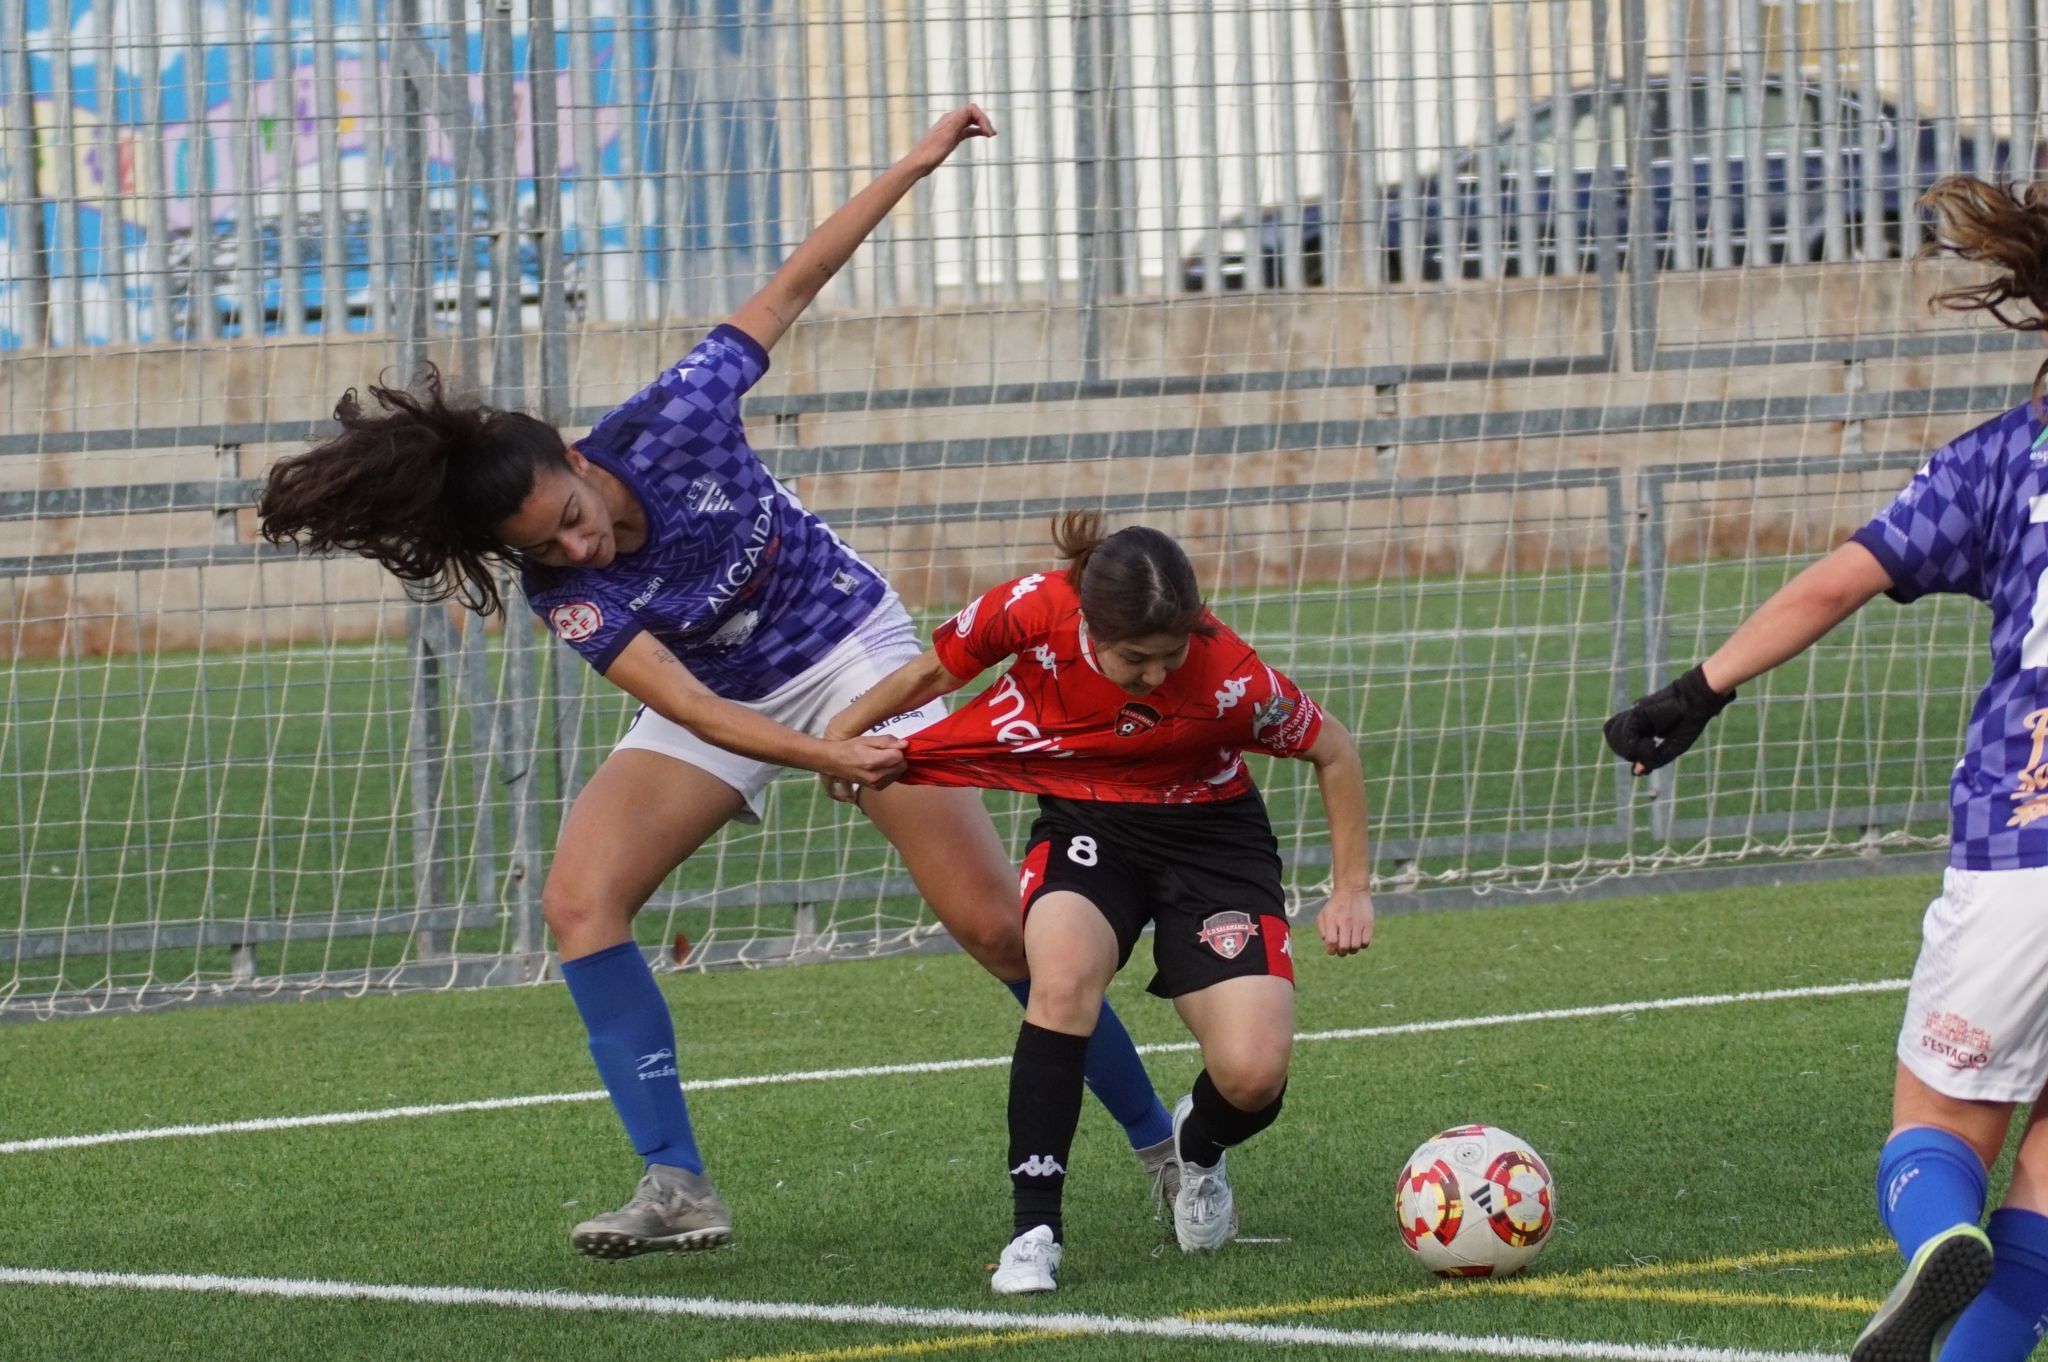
point(1657, 729)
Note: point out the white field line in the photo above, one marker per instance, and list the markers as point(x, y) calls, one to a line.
point(896, 1316)
point(338, 1118)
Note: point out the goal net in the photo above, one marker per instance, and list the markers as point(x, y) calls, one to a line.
point(1490, 358)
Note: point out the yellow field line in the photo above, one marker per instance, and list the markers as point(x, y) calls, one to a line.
point(916, 1347)
point(1612, 1284)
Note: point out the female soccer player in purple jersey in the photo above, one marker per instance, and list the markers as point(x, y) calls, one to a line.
point(1973, 521)
point(661, 549)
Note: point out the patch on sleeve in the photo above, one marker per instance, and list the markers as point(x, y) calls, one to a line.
point(576, 622)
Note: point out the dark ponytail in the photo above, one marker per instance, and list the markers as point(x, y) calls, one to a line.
point(417, 484)
point(1133, 583)
point(2000, 225)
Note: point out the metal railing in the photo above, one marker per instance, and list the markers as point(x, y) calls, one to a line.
point(301, 167)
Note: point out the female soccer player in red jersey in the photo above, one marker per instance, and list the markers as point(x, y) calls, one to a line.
point(661, 549)
point(1128, 712)
point(1974, 1044)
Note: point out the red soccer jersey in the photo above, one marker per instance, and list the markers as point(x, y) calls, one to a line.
point(1054, 724)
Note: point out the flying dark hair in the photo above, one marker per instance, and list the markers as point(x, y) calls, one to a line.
point(2001, 225)
point(416, 485)
point(1135, 582)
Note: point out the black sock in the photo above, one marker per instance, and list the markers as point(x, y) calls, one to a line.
point(1215, 1125)
point(1045, 1107)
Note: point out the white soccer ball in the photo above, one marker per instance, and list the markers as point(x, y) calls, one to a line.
point(1475, 1202)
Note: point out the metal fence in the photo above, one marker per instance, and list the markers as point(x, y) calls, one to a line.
point(189, 169)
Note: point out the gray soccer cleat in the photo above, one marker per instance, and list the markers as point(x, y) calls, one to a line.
point(1204, 1211)
point(1162, 1169)
point(1943, 1278)
point(672, 1211)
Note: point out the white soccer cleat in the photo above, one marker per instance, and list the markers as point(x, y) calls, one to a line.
point(1204, 1211)
point(1029, 1264)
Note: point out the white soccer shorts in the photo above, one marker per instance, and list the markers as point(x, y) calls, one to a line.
point(884, 641)
point(1976, 1023)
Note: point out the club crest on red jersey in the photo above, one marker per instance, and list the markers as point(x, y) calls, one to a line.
point(1227, 934)
point(1135, 718)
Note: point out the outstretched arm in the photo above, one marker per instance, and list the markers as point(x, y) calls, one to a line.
point(648, 671)
point(773, 310)
point(916, 683)
point(1345, 923)
point(1659, 727)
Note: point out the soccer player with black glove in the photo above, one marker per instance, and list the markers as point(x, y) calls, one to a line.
point(1974, 1044)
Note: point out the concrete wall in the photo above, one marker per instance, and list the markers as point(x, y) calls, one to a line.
point(1351, 539)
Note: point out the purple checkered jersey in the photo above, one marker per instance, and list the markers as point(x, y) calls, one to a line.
point(746, 587)
point(1974, 521)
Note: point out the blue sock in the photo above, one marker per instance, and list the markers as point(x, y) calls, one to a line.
point(633, 1040)
point(1927, 1181)
point(1117, 1076)
point(2005, 1323)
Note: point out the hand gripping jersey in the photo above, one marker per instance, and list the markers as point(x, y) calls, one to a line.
point(1974, 521)
point(747, 588)
point(1054, 724)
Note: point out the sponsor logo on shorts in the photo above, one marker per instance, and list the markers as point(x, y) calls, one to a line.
point(1951, 1038)
point(1227, 934)
point(1135, 718)
point(1039, 1166)
point(574, 623)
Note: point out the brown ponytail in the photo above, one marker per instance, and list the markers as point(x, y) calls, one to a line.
point(2005, 226)
point(418, 483)
point(1133, 583)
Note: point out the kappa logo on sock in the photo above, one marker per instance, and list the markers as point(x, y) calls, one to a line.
point(660, 1064)
point(1038, 1166)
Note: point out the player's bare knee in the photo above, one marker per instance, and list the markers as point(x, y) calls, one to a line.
point(993, 940)
point(575, 915)
point(1065, 1004)
point(1249, 1084)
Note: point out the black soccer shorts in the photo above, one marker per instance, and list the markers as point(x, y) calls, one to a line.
point(1207, 876)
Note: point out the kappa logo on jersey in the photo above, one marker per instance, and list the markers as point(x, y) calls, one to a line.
point(1227, 934)
point(1039, 1166)
point(963, 623)
point(1135, 718)
point(1233, 690)
point(706, 497)
point(574, 623)
point(1046, 658)
point(1025, 586)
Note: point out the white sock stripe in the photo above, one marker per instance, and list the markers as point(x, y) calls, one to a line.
point(933, 1067)
point(896, 1316)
